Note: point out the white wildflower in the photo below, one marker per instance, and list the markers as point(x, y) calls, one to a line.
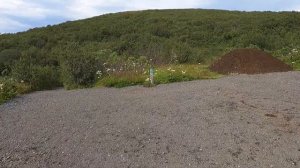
point(169, 69)
point(147, 80)
point(107, 70)
point(99, 73)
point(22, 81)
point(295, 50)
point(1, 86)
point(293, 62)
point(172, 70)
point(183, 72)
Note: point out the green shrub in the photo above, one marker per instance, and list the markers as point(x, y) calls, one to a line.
point(8, 90)
point(123, 79)
point(22, 88)
point(4, 69)
point(178, 73)
point(44, 78)
point(163, 75)
point(78, 70)
point(191, 35)
point(37, 76)
point(183, 52)
point(9, 55)
point(22, 70)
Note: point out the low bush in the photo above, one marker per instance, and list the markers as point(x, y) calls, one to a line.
point(163, 75)
point(178, 73)
point(290, 56)
point(37, 76)
point(79, 70)
point(44, 78)
point(7, 90)
point(123, 79)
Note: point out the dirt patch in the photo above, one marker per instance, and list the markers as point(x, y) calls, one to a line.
point(249, 61)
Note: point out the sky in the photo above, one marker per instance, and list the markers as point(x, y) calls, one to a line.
point(21, 15)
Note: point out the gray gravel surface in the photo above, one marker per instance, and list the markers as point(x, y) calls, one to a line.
point(236, 121)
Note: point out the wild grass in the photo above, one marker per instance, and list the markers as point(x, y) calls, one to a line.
point(122, 79)
point(163, 75)
point(296, 66)
point(10, 88)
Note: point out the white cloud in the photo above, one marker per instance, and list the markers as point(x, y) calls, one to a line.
point(164, 4)
point(78, 9)
point(39, 11)
point(24, 8)
point(9, 25)
point(297, 8)
point(12, 11)
point(86, 8)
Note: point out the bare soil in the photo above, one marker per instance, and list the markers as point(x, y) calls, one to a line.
point(249, 61)
point(236, 121)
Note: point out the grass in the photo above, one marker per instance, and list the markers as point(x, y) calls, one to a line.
point(163, 74)
point(122, 79)
point(296, 66)
point(9, 88)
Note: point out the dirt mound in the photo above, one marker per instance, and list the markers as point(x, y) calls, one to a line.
point(249, 61)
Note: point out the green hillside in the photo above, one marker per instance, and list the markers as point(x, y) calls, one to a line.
point(71, 53)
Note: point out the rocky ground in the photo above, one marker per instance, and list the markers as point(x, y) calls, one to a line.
point(235, 121)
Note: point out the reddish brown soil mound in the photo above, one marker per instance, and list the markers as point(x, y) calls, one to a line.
point(249, 61)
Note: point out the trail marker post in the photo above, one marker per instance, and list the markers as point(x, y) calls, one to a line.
point(152, 75)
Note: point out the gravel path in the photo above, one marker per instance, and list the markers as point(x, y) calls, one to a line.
point(237, 121)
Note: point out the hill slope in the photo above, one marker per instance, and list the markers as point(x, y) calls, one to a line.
point(159, 32)
point(165, 36)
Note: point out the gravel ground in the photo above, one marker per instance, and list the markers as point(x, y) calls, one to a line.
point(236, 121)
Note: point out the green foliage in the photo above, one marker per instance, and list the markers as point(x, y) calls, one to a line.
point(7, 58)
point(38, 77)
point(44, 78)
point(78, 69)
point(124, 79)
point(7, 90)
point(121, 72)
point(22, 70)
point(163, 75)
point(290, 55)
point(185, 72)
point(9, 55)
point(183, 52)
point(79, 53)
point(193, 35)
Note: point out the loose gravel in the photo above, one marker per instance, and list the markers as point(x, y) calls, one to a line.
point(236, 121)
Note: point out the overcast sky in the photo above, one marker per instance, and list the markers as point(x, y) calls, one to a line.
point(20, 15)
